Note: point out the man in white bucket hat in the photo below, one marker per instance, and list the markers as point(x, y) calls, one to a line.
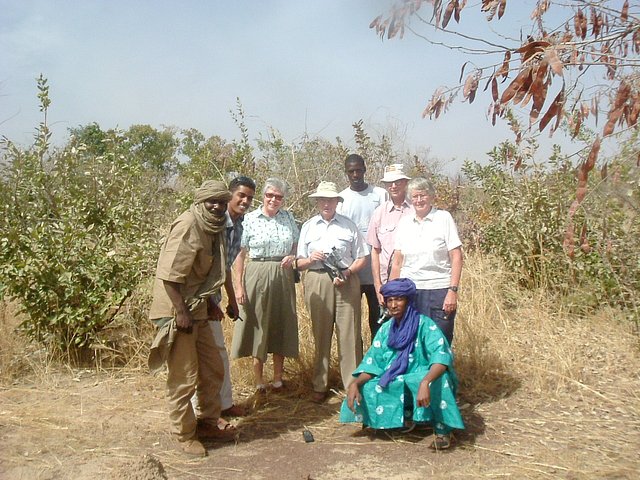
point(332, 301)
point(382, 228)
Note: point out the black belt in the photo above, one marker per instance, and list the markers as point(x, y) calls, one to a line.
point(322, 270)
point(267, 259)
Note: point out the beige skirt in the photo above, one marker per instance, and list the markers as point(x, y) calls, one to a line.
point(270, 322)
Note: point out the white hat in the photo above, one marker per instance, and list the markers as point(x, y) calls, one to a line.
point(326, 190)
point(394, 172)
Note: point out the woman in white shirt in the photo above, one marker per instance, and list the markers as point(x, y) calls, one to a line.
point(429, 252)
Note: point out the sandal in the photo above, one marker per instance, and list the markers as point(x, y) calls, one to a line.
point(277, 387)
point(222, 431)
point(318, 397)
point(234, 411)
point(408, 427)
point(441, 442)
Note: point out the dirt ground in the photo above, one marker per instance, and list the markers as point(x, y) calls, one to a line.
point(86, 424)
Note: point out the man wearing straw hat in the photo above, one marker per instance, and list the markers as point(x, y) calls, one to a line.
point(191, 267)
point(332, 300)
point(384, 221)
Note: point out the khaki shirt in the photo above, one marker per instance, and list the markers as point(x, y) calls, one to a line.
point(186, 258)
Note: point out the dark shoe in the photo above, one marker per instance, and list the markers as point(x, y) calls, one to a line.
point(409, 426)
point(193, 448)
point(318, 397)
point(234, 411)
point(261, 389)
point(218, 432)
point(441, 442)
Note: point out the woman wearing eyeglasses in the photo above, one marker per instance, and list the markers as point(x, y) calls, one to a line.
point(429, 252)
point(265, 290)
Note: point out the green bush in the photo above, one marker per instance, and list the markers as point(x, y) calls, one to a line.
point(522, 215)
point(79, 232)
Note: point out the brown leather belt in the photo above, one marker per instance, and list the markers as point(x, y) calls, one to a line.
point(267, 259)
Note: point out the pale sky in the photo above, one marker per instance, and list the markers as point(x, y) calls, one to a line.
point(297, 66)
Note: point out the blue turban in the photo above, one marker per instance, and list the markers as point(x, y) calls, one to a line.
point(400, 287)
point(402, 335)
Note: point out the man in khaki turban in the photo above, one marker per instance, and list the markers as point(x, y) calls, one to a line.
point(190, 268)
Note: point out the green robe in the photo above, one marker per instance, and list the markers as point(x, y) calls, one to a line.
point(389, 407)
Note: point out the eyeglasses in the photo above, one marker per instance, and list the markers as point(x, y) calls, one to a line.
point(420, 196)
point(275, 196)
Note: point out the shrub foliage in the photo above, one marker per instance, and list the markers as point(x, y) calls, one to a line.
point(78, 234)
point(81, 225)
point(522, 215)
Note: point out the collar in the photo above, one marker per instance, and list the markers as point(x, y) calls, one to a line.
point(391, 207)
point(429, 216)
point(231, 223)
point(262, 214)
point(336, 218)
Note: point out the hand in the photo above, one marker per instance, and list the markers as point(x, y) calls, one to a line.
point(232, 310)
point(287, 262)
point(353, 396)
point(215, 313)
point(379, 295)
point(241, 296)
point(450, 302)
point(338, 282)
point(424, 394)
point(317, 256)
point(184, 321)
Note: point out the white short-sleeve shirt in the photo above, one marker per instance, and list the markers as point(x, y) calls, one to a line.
point(425, 246)
point(319, 235)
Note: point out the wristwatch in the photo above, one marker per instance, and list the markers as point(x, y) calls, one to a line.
point(453, 288)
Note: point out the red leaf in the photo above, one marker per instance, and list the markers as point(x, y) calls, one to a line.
point(462, 72)
point(375, 22)
point(530, 49)
point(593, 155)
point(504, 68)
point(577, 23)
point(470, 87)
point(576, 128)
point(635, 111)
point(456, 13)
point(538, 87)
point(447, 13)
point(515, 86)
point(523, 95)
point(554, 61)
point(554, 109)
point(501, 8)
point(624, 13)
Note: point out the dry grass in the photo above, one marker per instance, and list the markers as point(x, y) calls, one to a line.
point(544, 394)
point(507, 338)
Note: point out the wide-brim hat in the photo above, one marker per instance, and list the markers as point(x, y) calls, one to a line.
point(326, 190)
point(394, 172)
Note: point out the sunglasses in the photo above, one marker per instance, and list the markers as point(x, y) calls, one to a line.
point(274, 195)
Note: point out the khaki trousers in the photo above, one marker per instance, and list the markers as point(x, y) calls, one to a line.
point(195, 367)
point(331, 306)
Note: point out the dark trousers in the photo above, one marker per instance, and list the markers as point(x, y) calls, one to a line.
point(369, 292)
point(429, 303)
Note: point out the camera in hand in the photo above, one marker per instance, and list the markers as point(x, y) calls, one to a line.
point(331, 265)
